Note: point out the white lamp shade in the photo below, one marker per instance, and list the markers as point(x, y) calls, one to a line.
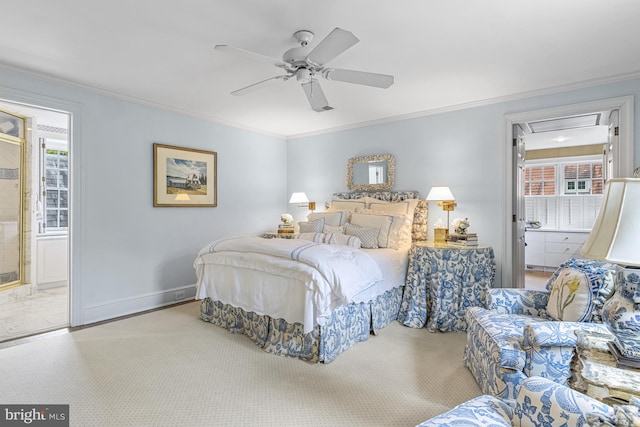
point(298, 198)
point(440, 193)
point(615, 236)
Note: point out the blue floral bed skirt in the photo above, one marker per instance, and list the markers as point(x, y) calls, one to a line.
point(347, 326)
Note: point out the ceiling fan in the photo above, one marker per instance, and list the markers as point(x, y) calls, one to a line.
point(307, 64)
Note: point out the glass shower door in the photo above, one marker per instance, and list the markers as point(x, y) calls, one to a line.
point(12, 143)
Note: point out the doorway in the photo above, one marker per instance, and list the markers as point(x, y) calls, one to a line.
point(39, 299)
point(618, 160)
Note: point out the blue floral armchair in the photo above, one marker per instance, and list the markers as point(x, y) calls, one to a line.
point(540, 402)
point(524, 333)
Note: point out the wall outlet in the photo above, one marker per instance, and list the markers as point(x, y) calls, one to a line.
point(178, 295)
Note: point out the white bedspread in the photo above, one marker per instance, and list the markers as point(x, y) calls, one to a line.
point(297, 280)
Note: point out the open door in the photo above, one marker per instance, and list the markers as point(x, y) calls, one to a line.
point(518, 207)
point(609, 146)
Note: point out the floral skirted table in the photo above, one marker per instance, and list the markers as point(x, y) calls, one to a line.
point(442, 282)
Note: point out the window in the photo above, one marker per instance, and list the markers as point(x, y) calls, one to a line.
point(583, 178)
point(376, 174)
point(55, 186)
point(565, 193)
point(540, 180)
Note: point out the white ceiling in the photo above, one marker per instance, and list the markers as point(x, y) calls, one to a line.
point(443, 54)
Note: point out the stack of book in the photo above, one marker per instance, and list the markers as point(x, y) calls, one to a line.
point(463, 240)
point(286, 229)
point(623, 361)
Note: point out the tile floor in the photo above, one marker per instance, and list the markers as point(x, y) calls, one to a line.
point(44, 310)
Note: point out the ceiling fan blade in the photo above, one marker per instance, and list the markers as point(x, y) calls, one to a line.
point(258, 85)
point(250, 55)
point(316, 97)
point(331, 46)
point(359, 77)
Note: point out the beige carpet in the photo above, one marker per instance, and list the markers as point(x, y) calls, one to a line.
point(169, 368)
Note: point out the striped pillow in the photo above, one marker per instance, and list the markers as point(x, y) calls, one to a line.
point(341, 239)
point(313, 237)
point(330, 218)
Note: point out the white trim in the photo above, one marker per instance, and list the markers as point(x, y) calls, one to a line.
point(125, 306)
point(624, 155)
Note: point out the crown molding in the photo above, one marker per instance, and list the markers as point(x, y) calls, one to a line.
point(440, 110)
point(474, 104)
point(139, 101)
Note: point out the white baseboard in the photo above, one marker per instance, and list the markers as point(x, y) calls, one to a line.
point(126, 306)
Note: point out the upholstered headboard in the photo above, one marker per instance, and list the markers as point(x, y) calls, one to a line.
point(419, 229)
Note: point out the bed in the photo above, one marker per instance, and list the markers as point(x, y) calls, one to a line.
point(314, 297)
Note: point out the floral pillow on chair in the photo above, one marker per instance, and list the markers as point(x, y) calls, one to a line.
point(578, 290)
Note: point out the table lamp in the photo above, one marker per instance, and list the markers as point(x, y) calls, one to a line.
point(615, 238)
point(444, 197)
point(303, 201)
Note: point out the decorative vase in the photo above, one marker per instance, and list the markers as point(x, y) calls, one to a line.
point(621, 313)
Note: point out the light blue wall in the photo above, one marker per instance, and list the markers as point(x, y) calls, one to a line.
point(462, 149)
point(128, 255)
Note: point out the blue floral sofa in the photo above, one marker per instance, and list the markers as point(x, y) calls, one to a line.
point(524, 333)
point(539, 402)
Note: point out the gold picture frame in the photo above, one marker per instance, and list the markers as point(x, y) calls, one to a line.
point(184, 177)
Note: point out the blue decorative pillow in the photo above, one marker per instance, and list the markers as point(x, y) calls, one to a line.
point(368, 236)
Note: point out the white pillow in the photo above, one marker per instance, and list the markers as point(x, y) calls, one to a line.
point(570, 299)
point(395, 230)
point(334, 219)
point(313, 237)
point(347, 205)
point(405, 207)
point(342, 239)
point(312, 226)
point(334, 230)
point(382, 222)
point(368, 236)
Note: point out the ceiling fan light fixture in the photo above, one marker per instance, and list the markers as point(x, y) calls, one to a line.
point(303, 75)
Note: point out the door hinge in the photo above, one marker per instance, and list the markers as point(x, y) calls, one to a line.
point(514, 218)
point(44, 145)
point(616, 131)
point(515, 142)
